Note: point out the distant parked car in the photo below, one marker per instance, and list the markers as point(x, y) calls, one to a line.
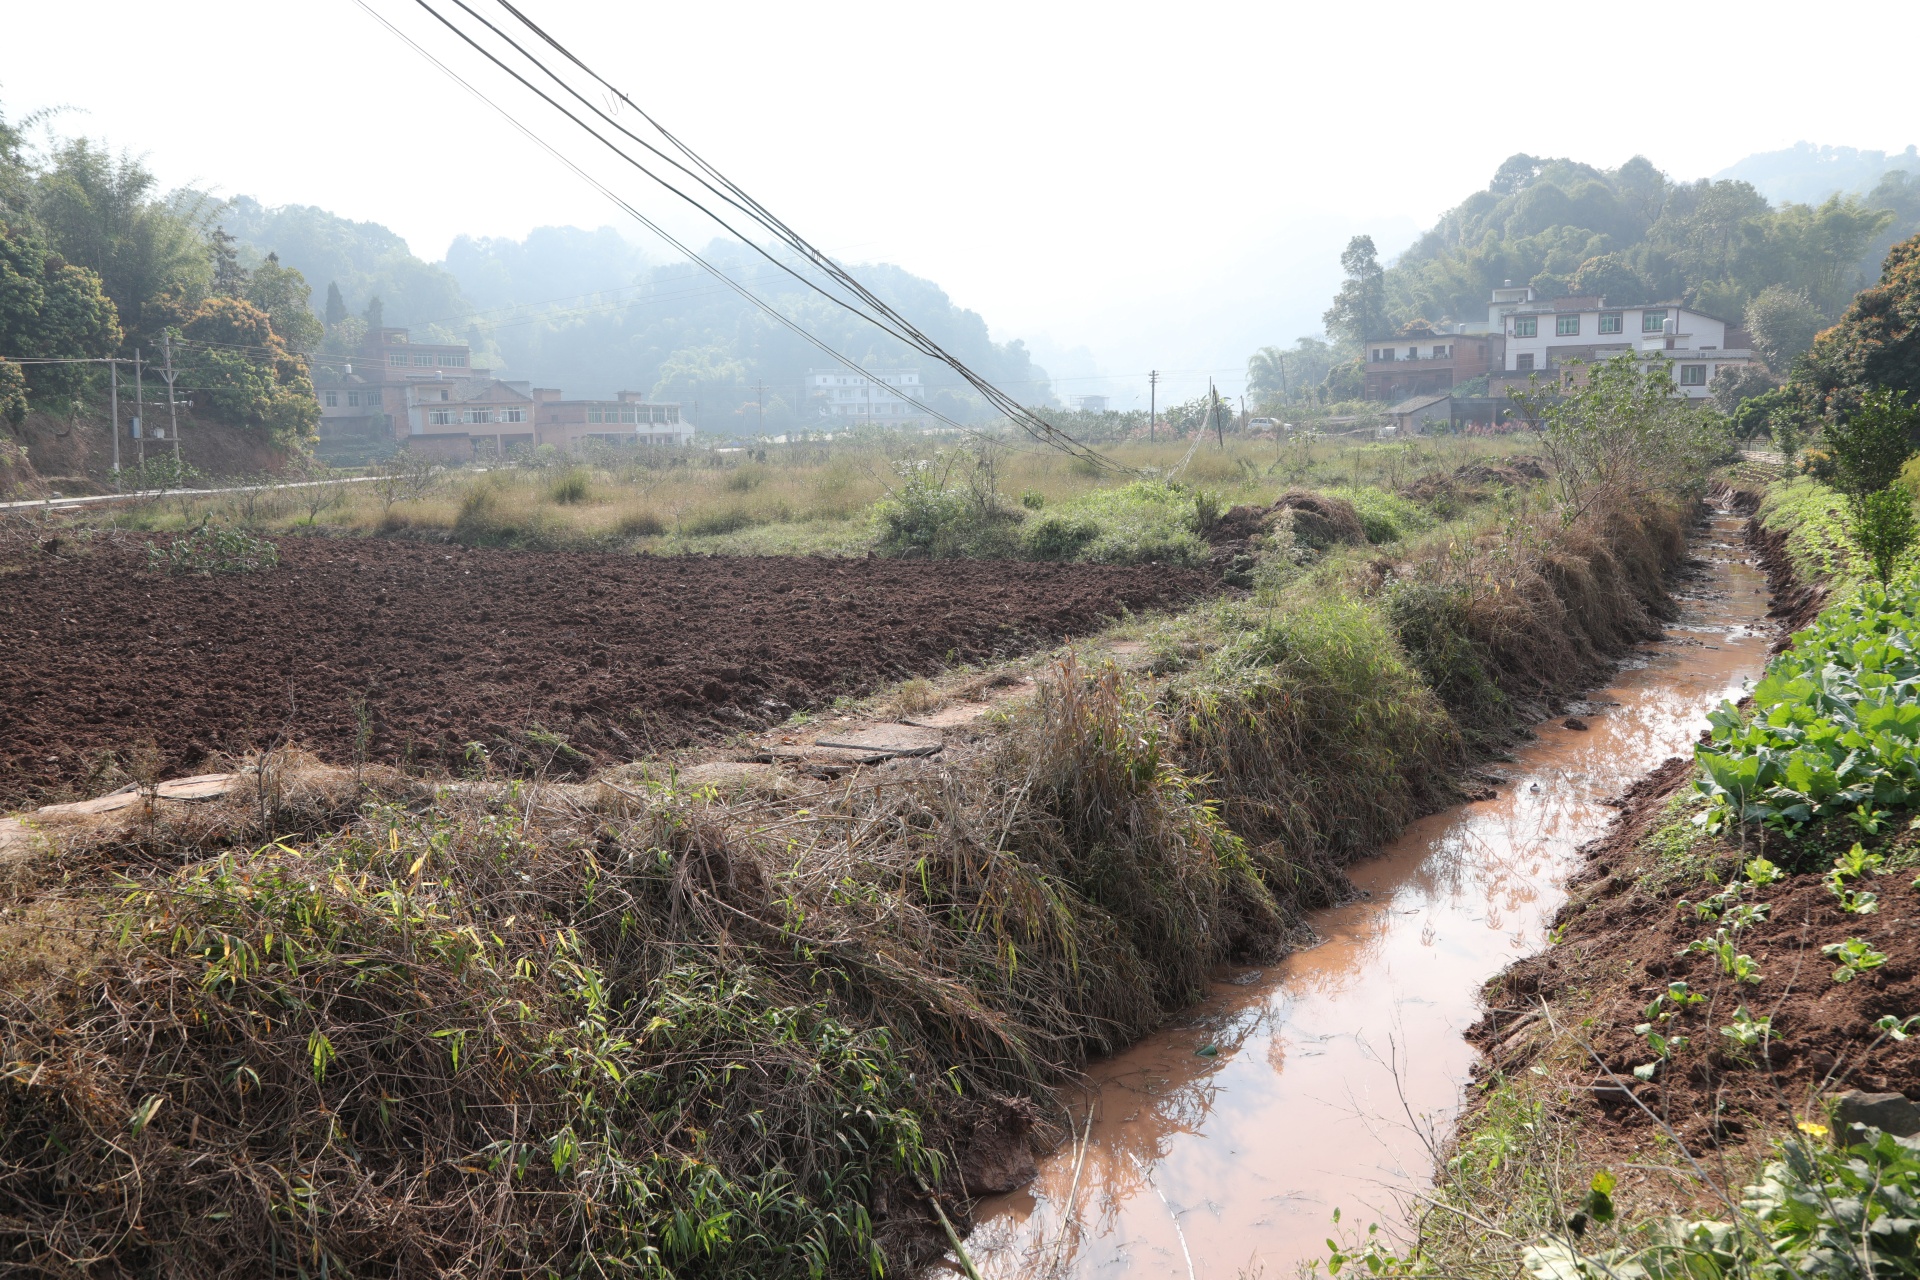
point(1262, 424)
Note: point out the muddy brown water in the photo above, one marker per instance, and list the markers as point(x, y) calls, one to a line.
point(1222, 1145)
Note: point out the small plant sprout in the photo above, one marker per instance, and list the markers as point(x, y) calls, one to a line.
point(1739, 967)
point(1596, 1205)
point(1746, 1030)
point(1895, 1027)
point(1664, 1047)
point(1746, 915)
point(1857, 862)
point(1869, 819)
point(1670, 1003)
point(1854, 957)
point(1761, 873)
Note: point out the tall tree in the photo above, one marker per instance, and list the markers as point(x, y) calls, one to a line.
point(336, 305)
point(283, 294)
point(1875, 344)
point(101, 213)
point(1783, 322)
point(1359, 310)
point(52, 309)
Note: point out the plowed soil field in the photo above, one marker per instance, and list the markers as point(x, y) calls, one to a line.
point(416, 651)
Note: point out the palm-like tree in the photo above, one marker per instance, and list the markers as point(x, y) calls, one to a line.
point(1266, 373)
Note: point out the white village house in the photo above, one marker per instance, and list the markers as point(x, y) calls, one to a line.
point(889, 396)
point(1559, 338)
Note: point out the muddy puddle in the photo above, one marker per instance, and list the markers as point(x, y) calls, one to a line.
point(1222, 1145)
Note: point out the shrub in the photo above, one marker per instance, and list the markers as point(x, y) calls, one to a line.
point(1059, 537)
point(640, 524)
point(1145, 522)
point(570, 486)
point(928, 516)
point(213, 549)
point(1386, 517)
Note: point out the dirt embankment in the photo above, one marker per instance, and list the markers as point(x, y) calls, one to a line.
point(1771, 1031)
point(445, 646)
point(75, 455)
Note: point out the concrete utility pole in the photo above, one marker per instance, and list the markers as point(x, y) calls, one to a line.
point(139, 412)
point(1153, 405)
point(173, 414)
point(1219, 427)
point(113, 380)
point(760, 400)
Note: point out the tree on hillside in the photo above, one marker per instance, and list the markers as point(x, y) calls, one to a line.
point(233, 363)
point(1359, 310)
point(336, 305)
point(283, 294)
point(1783, 322)
point(52, 309)
point(1611, 276)
point(1875, 344)
point(100, 213)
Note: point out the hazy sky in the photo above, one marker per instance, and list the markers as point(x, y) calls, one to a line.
point(1159, 185)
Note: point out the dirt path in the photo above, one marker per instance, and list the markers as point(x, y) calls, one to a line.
point(449, 646)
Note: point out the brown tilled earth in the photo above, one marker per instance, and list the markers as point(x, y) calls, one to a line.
point(450, 646)
point(1623, 935)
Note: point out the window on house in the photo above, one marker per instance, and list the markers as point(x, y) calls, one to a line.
point(1610, 322)
point(443, 395)
point(440, 417)
point(596, 415)
point(396, 359)
point(1693, 375)
point(513, 415)
point(1653, 321)
point(628, 415)
point(370, 397)
point(478, 415)
point(1526, 326)
point(453, 360)
point(1523, 363)
point(331, 399)
point(422, 361)
point(1566, 326)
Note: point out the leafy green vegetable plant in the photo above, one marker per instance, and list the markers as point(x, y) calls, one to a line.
point(1854, 957)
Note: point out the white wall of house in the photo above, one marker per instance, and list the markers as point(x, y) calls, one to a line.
point(881, 394)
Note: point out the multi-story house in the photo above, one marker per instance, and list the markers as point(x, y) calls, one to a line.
point(429, 397)
point(893, 397)
point(1425, 362)
point(627, 419)
point(1560, 339)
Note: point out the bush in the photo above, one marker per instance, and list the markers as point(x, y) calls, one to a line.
point(1059, 537)
point(927, 517)
point(570, 486)
point(213, 549)
point(640, 524)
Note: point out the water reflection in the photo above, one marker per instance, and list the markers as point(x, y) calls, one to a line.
point(1225, 1142)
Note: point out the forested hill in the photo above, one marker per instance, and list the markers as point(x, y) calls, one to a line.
point(589, 312)
point(1635, 235)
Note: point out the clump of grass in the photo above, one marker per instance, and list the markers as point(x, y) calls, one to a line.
point(573, 485)
point(640, 524)
point(725, 520)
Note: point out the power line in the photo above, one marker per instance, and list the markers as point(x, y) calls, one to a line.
point(874, 310)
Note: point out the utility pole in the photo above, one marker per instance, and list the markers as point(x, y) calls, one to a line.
point(760, 400)
point(139, 412)
point(1153, 405)
point(1219, 427)
point(113, 380)
point(173, 414)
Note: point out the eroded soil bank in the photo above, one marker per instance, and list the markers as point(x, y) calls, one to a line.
point(1225, 1142)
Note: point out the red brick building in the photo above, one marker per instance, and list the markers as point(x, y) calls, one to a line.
point(1423, 363)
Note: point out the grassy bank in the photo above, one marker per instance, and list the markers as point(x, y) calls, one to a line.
point(1665, 1089)
point(349, 1022)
